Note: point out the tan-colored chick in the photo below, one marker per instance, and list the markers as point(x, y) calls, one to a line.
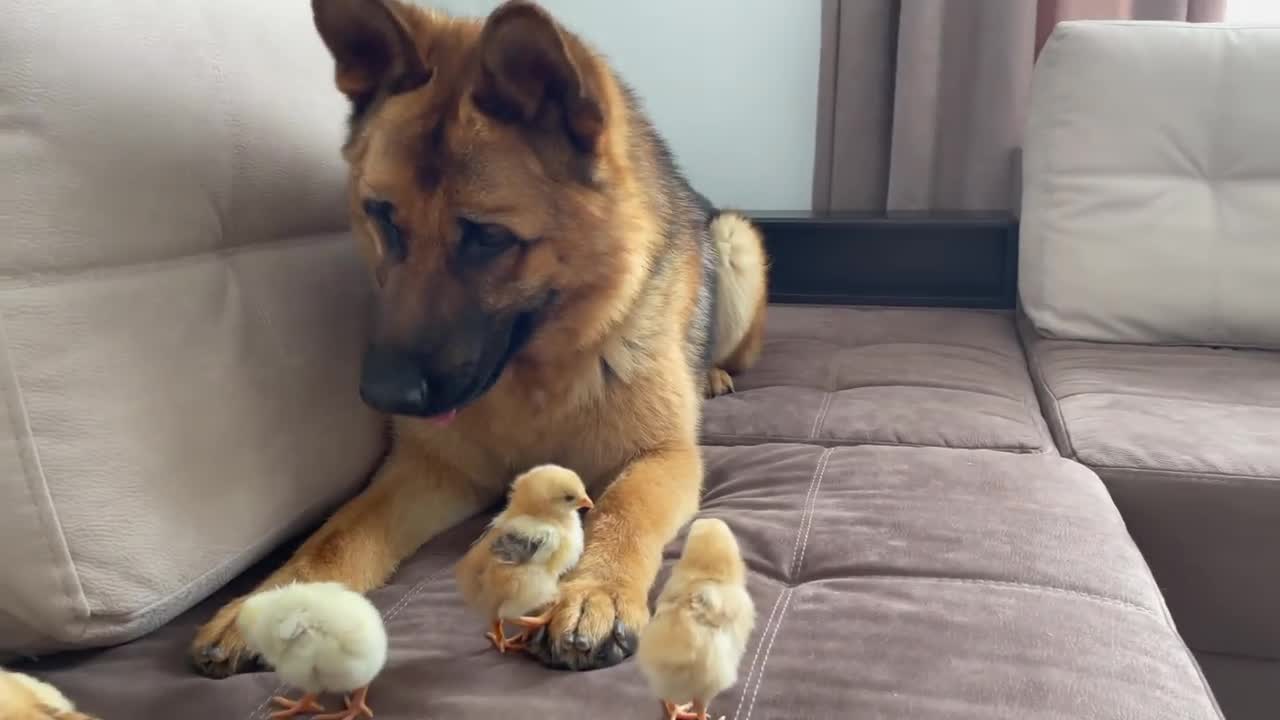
point(319, 637)
point(514, 568)
point(23, 697)
point(689, 652)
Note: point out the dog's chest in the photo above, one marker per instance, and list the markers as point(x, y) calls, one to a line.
point(491, 449)
point(591, 441)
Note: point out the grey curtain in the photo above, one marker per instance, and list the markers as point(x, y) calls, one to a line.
point(922, 102)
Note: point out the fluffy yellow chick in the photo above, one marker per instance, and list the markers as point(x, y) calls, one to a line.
point(514, 568)
point(23, 697)
point(691, 648)
point(319, 637)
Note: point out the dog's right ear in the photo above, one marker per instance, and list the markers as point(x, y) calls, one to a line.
point(374, 51)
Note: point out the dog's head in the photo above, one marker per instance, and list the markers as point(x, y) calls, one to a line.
point(485, 164)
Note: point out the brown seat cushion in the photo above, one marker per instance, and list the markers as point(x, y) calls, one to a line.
point(884, 376)
point(890, 582)
point(1246, 688)
point(1188, 442)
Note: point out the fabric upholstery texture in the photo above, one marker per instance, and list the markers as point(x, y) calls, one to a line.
point(181, 312)
point(1246, 688)
point(180, 326)
point(1188, 441)
point(841, 376)
point(891, 582)
point(1149, 185)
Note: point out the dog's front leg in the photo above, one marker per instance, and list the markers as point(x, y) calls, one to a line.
point(410, 500)
point(604, 602)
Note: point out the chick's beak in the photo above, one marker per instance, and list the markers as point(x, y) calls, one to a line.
point(585, 503)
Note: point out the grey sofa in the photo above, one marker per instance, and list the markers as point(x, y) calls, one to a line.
point(1060, 511)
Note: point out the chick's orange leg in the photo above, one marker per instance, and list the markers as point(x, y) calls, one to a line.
point(502, 643)
point(530, 624)
point(356, 707)
point(410, 501)
point(698, 711)
point(536, 621)
point(672, 710)
point(292, 708)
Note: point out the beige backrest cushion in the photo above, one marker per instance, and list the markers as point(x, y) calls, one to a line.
point(181, 311)
point(1151, 185)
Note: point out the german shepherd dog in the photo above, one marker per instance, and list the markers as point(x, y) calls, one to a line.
point(549, 289)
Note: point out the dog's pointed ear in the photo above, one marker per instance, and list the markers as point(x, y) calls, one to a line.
point(371, 46)
point(529, 70)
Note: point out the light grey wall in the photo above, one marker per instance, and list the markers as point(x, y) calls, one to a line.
point(732, 84)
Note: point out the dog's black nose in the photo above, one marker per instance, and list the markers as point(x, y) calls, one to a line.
point(393, 382)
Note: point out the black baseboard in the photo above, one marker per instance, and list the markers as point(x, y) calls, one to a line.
point(942, 260)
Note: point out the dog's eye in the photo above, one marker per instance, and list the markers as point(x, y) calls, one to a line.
point(381, 213)
point(484, 241)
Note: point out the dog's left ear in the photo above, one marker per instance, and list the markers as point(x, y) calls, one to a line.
point(530, 73)
point(374, 50)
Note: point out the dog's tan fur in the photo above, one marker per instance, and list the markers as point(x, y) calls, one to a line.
point(612, 381)
point(23, 697)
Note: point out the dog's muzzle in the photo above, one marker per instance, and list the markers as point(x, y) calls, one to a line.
point(401, 381)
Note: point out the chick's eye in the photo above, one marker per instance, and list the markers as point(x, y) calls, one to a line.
point(382, 213)
point(484, 241)
point(569, 498)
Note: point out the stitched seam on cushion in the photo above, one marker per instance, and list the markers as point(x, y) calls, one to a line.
point(57, 276)
point(789, 592)
point(802, 545)
point(873, 386)
point(1154, 396)
point(257, 713)
point(913, 308)
point(1243, 657)
point(1011, 585)
point(1031, 402)
point(1041, 381)
point(797, 557)
point(739, 440)
point(777, 605)
point(807, 521)
point(1192, 475)
point(71, 586)
point(822, 415)
point(894, 343)
point(806, 513)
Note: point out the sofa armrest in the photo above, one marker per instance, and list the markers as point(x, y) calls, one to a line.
point(181, 310)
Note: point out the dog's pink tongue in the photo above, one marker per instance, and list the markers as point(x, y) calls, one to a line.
point(444, 418)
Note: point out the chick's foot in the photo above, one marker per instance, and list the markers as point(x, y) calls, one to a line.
point(292, 708)
point(530, 624)
point(356, 707)
point(501, 642)
point(688, 711)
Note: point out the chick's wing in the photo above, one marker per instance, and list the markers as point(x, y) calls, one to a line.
point(520, 546)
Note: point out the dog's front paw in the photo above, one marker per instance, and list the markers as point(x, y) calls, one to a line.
point(719, 383)
point(219, 650)
point(594, 625)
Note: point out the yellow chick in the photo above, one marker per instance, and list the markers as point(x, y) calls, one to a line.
point(319, 637)
point(690, 650)
point(514, 568)
point(23, 697)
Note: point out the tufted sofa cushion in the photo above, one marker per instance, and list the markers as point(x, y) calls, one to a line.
point(1188, 441)
point(181, 315)
point(884, 376)
point(1150, 174)
point(890, 582)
